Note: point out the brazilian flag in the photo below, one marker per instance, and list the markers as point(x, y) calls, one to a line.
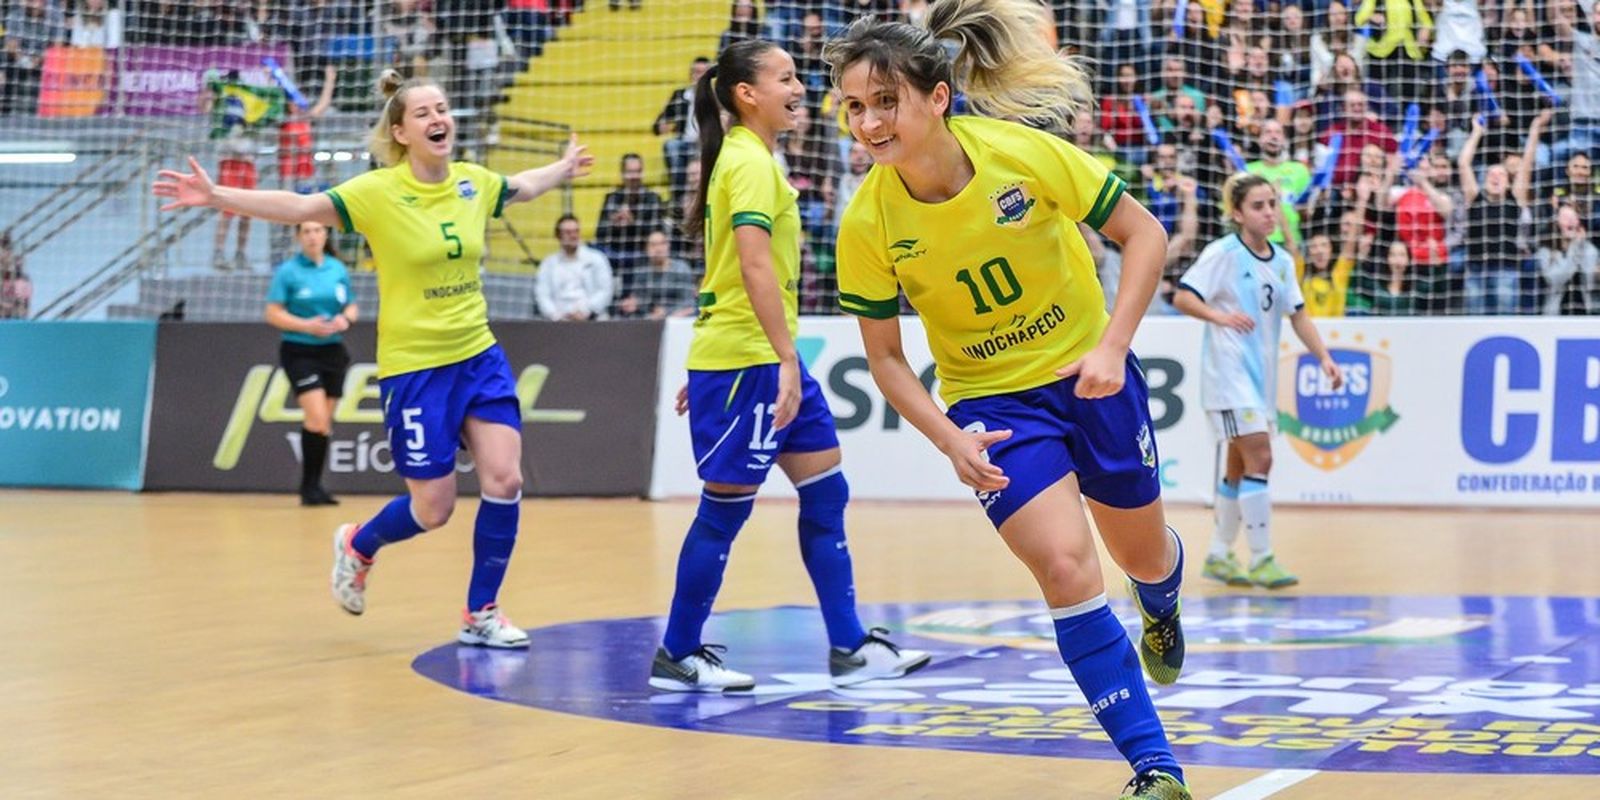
point(237, 104)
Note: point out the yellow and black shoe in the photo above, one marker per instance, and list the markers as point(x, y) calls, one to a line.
point(1161, 645)
point(1153, 784)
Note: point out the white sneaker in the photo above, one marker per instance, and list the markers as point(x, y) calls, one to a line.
point(349, 572)
point(490, 628)
point(876, 658)
point(700, 671)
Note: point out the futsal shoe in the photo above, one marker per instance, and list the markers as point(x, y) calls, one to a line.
point(1153, 784)
point(1227, 570)
point(490, 628)
point(699, 671)
point(876, 658)
point(349, 572)
point(1161, 647)
point(1269, 574)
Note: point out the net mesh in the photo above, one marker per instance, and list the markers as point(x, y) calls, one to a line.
point(1433, 154)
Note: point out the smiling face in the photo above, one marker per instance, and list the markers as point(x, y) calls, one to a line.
point(774, 101)
point(892, 119)
point(426, 128)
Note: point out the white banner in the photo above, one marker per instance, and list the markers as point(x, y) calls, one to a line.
point(1448, 412)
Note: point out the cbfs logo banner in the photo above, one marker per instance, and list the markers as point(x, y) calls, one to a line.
point(1328, 427)
point(72, 403)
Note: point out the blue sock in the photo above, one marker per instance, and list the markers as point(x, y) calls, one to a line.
point(394, 523)
point(827, 557)
point(1160, 599)
point(1102, 660)
point(700, 565)
point(493, 536)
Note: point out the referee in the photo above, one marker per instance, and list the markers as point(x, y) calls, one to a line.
point(309, 301)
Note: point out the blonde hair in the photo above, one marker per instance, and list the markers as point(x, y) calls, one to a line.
point(1237, 187)
point(993, 50)
point(394, 88)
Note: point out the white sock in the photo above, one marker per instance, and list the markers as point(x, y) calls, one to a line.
point(1255, 510)
point(1227, 531)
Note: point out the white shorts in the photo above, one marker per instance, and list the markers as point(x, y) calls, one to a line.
point(1232, 423)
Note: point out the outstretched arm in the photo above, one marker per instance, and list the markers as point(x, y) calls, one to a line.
point(195, 190)
point(530, 183)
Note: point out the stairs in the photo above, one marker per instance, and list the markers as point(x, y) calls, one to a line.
point(606, 76)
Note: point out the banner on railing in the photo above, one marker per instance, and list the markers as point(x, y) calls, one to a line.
point(74, 81)
point(72, 403)
point(1445, 412)
point(226, 419)
point(168, 81)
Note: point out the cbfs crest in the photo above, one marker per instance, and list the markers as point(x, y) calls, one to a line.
point(1012, 204)
point(1328, 427)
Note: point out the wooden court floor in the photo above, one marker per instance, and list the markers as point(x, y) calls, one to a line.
point(185, 645)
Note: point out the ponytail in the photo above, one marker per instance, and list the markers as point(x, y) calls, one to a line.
point(738, 63)
point(993, 50)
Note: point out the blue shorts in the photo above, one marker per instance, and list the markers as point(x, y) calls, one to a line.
point(1109, 442)
point(424, 410)
point(730, 420)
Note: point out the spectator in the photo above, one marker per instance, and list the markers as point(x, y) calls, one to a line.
point(30, 29)
point(664, 288)
point(1389, 292)
point(850, 179)
point(1460, 29)
point(1419, 220)
point(807, 52)
point(164, 22)
point(676, 122)
point(1335, 39)
point(1125, 32)
point(1291, 48)
point(1403, 31)
point(1567, 267)
point(1360, 127)
point(1516, 36)
point(1290, 177)
point(1303, 146)
point(1496, 214)
point(1174, 81)
point(1584, 96)
point(742, 24)
point(628, 215)
point(1117, 117)
point(16, 291)
point(412, 30)
point(813, 161)
point(573, 283)
point(1325, 280)
point(96, 26)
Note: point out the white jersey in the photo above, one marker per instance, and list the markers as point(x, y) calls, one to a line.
point(1240, 370)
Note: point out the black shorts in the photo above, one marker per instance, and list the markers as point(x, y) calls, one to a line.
point(315, 366)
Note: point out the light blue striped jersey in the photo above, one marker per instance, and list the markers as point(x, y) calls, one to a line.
point(1239, 370)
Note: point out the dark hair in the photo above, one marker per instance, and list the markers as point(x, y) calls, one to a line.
point(327, 246)
point(626, 156)
point(564, 218)
point(993, 47)
point(738, 63)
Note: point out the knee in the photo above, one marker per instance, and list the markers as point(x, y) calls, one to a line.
point(432, 514)
point(1258, 462)
point(500, 480)
point(1065, 574)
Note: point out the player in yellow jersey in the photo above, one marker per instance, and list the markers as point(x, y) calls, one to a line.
point(750, 401)
point(976, 221)
point(443, 377)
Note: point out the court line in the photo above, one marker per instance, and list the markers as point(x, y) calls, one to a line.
point(1267, 785)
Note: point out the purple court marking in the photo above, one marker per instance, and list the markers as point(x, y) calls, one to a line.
point(1373, 684)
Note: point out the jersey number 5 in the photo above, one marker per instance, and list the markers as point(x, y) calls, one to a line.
point(452, 238)
point(1000, 281)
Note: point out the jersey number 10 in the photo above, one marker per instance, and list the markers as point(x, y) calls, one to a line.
point(1000, 281)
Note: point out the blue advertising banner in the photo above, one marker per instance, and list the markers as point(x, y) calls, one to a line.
point(72, 403)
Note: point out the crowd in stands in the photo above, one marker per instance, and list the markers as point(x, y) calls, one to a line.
point(1434, 156)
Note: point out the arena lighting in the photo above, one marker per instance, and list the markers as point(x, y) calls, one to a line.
point(38, 158)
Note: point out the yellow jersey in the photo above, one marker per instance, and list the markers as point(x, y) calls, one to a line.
point(1000, 275)
point(747, 188)
point(1325, 294)
point(427, 242)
